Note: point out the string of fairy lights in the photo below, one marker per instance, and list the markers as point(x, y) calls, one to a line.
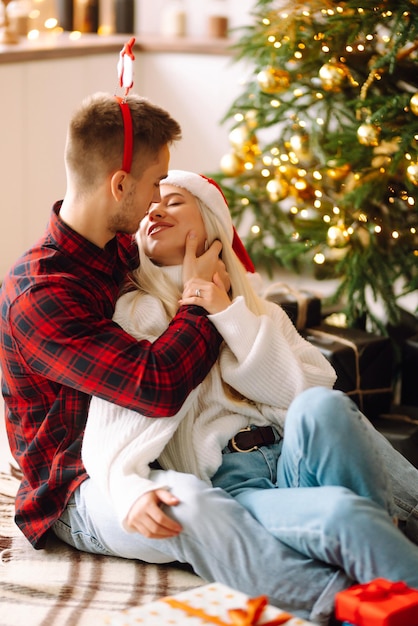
point(289, 171)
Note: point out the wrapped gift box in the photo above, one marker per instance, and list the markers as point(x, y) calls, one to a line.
point(400, 427)
point(363, 362)
point(303, 307)
point(202, 606)
point(378, 603)
point(409, 371)
point(406, 326)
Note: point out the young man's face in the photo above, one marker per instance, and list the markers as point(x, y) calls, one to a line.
point(163, 230)
point(140, 194)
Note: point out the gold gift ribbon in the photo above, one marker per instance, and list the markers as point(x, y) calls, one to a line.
point(302, 299)
point(357, 391)
point(239, 617)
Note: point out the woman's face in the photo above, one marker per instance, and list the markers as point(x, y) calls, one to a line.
point(163, 229)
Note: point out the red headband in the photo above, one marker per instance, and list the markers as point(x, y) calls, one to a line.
point(128, 143)
point(125, 74)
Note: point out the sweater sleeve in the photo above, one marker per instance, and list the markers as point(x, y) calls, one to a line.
point(119, 443)
point(118, 446)
point(265, 358)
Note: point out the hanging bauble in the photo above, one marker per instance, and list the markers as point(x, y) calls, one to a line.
point(277, 189)
point(232, 165)
point(414, 143)
point(333, 76)
point(384, 152)
point(338, 172)
point(413, 103)
point(368, 134)
point(250, 150)
point(251, 119)
point(412, 173)
point(273, 80)
point(337, 236)
point(302, 189)
point(299, 145)
point(381, 161)
point(239, 135)
point(244, 143)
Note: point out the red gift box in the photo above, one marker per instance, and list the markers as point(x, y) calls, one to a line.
point(378, 603)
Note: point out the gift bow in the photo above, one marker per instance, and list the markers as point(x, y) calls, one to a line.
point(377, 590)
point(239, 617)
point(381, 589)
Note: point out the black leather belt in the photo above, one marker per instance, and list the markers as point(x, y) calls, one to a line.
point(249, 439)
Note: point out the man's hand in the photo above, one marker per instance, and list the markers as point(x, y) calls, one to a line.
point(147, 518)
point(206, 265)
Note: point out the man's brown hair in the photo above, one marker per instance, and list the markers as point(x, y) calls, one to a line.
point(95, 137)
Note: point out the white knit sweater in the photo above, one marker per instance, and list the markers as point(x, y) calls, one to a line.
point(263, 359)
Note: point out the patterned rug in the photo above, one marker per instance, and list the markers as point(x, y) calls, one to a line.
point(60, 586)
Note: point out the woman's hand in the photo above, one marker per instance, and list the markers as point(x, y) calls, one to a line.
point(211, 295)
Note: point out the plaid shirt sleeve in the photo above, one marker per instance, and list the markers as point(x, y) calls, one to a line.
point(59, 346)
point(69, 342)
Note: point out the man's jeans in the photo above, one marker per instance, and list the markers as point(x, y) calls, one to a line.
point(298, 521)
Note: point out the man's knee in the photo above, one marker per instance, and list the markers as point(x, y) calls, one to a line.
point(343, 508)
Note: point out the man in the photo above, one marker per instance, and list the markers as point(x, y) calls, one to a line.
point(59, 346)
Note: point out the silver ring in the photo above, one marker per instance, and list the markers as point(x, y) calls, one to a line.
point(197, 293)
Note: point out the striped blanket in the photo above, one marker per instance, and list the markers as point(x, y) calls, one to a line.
point(60, 586)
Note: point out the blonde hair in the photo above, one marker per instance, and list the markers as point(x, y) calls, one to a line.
point(148, 277)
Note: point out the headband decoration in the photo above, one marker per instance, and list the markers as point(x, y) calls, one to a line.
point(126, 81)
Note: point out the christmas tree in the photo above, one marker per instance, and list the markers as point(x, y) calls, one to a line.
point(324, 147)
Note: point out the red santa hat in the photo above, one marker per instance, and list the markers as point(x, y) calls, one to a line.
point(210, 193)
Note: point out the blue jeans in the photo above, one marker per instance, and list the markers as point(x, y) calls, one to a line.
point(298, 521)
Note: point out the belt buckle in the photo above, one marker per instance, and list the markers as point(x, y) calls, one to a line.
point(235, 445)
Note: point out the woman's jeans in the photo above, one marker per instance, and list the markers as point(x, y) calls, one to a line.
point(298, 520)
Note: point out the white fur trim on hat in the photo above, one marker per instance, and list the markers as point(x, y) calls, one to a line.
point(207, 191)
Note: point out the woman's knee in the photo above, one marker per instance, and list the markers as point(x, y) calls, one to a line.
point(321, 405)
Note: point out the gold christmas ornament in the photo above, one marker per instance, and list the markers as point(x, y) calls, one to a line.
point(232, 165)
point(251, 119)
point(273, 80)
point(249, 150)
point(383, 153)
point(277, 189)
point(302, 189)
point(412, 173)
point(337, 236)
point(338, 172)
point(368, 134)
point(413, 103)
point(333, 76)
point(239, 135)
point(299, 145)
point(244, 143)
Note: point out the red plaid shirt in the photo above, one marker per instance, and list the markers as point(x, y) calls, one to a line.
point(59, 346)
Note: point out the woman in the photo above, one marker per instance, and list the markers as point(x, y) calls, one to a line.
point(242, 387)
point(335, 502)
